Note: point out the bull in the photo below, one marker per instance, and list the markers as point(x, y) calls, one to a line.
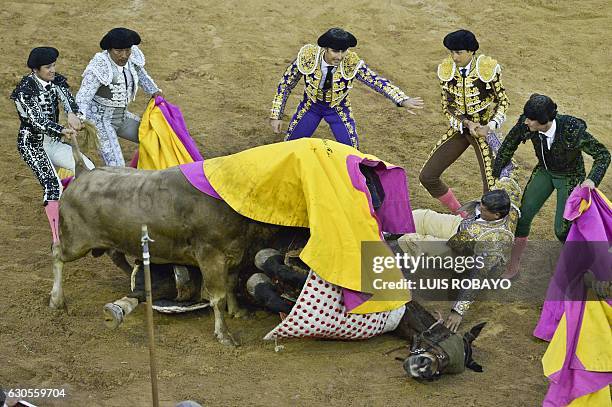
point(103, 210)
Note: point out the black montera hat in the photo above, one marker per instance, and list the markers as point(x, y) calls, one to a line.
point(461, 40)
point(42, 56)
point(337, 38)
point(119, 38)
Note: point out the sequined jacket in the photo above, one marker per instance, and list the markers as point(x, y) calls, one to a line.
point(479, 97)
point(565, 153)
point(38, 108)
point(308, 65)
point(489, 240)
point(105, 85)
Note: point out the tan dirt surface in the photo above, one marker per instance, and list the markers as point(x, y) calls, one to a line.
point(221, 62)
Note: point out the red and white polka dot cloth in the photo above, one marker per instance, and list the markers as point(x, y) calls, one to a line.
point(320, 313)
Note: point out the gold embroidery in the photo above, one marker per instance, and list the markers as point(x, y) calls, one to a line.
point(349, 65)
point(487, 68)
point(349, 127)
point(308, 58)
point(480, 95)
point(446, 70)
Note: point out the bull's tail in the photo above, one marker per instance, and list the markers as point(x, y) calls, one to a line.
point(79, 163)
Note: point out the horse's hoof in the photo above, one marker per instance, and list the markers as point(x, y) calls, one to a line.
point(113, 315)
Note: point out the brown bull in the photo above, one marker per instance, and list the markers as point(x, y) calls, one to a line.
point(104, 209)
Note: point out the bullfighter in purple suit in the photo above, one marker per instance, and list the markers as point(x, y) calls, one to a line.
point(328, 70)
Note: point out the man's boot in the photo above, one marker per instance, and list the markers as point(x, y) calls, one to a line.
point(515, 258)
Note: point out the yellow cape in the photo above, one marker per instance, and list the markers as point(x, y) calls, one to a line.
point(159, 146)
point(305, 183)
point(594, 348)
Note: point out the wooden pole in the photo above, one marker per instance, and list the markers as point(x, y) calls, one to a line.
point(147, 274)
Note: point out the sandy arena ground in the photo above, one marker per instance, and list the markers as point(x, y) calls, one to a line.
point(221, 62)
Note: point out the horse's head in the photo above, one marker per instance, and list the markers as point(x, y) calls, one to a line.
point(434, 355)
point(425, 366)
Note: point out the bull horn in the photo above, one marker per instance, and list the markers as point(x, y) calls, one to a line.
point(263, 255)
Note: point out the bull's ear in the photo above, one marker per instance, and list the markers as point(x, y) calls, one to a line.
point(474, 332)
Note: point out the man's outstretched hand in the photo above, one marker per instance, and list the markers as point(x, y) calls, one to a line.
point(412, 104)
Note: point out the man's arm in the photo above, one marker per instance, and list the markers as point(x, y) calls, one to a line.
point(75, 117)
point(147, 83)
point(487, 256)
point(27, 103)
point(501, 101)
point(87, 91)
point(509, 146)
point(290, 78)
point(601, 156)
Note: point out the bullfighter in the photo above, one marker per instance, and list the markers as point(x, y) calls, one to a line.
point(329, 69)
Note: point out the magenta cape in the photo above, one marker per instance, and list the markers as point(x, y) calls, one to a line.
point(593, 225)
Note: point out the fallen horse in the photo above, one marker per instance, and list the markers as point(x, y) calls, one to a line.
point(434, 350)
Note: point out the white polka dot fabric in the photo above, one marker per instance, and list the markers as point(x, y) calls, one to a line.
point(320, 313)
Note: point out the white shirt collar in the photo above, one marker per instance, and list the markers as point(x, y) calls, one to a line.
point(43, 83)
point(324, 66)
point(467, 68)
point(550, 133)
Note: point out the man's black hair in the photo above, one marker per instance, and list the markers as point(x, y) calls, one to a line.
point(540, 108)
point(496, 201)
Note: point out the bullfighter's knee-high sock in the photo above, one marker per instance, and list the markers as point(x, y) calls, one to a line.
point(449, 200)
point(52, 211)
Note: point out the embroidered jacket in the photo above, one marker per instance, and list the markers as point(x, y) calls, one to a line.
point(565, 153)
point(38, 108)
point(489, 240)
point(479, 97)
point(104, 84)
point(308, 65)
